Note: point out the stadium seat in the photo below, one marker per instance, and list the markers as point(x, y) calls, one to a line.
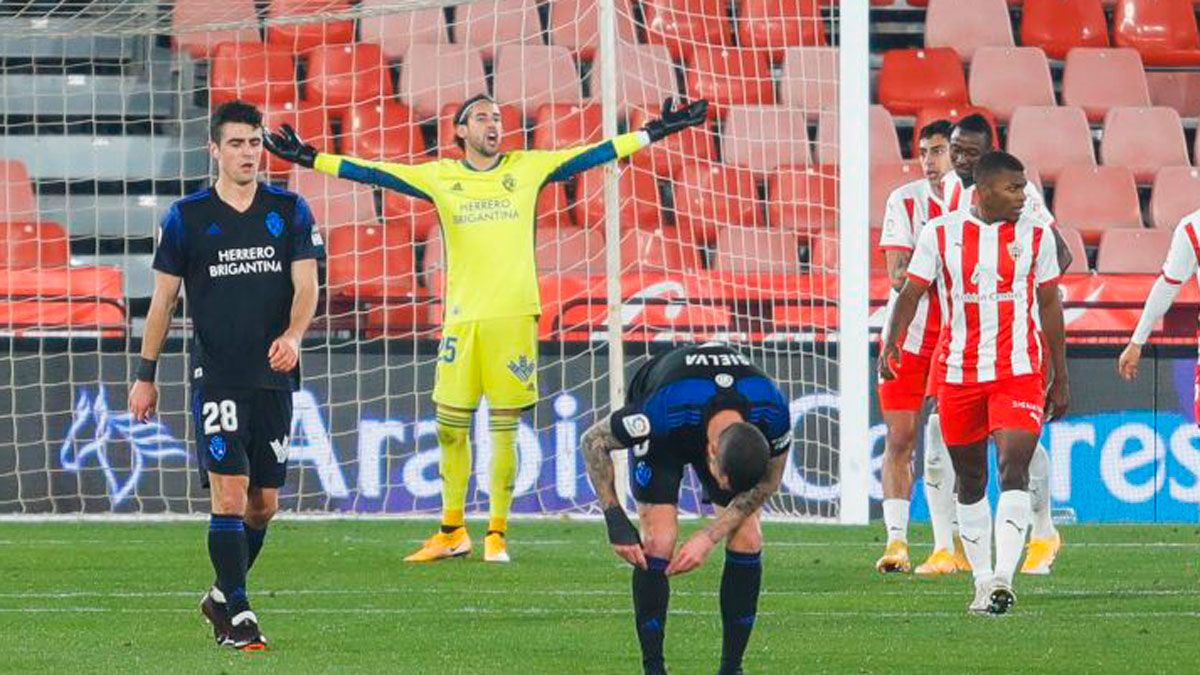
point(253, 72)
point(1074, 241)
point(1099, 79)
point(33, 244)
point(420, 216)
point(570, 250)
point(751, 250)
point(1163, 31)
point(335, 202)
point(575, 24)
point(911, 79)
point(17, 202)
point(729, 76)
point(1058, 26)
point(200, 44)
point(383, 130)
point(685, 25)
point(513, 137)
point(823, 254)
point(645, 76)
point(309, 121)
point(950, 113)
point(810, 79)
point(343, 74)
point(1143, 140)
point(883, 140)
point(562, 125)
point(489, 24)
point(371, 262)
point(553, 207)
point(299, 37)
point(967, 25)
point(1051, 138)
point(658, 250)
point(668, 157)
point(885, 178)
point(1175, 89)
point(803, 200)
point(763, 138)
point(710, 197)
point(1176, 193)
point(1133, 251)
point(775, 25)
point(641, 205)
point(1092, 199)
point(1003, 78)
point(527, 76)
point(396, 31)
point(447, 74)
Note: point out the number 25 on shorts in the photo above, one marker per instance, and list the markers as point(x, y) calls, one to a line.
point(449, 349)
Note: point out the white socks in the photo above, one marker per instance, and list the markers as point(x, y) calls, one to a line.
point(1039, 493)
point(1012, 524)
point(939, 485)
point(975, 528)
point(895, 518)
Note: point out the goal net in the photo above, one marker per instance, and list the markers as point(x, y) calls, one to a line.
point(729, 231)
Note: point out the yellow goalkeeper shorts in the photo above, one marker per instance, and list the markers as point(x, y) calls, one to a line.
point(496, 358)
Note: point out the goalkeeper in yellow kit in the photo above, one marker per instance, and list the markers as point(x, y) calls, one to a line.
point(487, 206)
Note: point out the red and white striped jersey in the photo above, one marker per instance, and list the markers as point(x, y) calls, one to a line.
point(909, 208)
point(987, 276)
point(1183, 258)
point(962, 198)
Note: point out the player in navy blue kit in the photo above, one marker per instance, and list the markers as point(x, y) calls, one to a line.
point(246, 253)
point(708, 407)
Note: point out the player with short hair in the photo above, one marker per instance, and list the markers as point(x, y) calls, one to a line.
point(997, 273)
point(487, 208)
point(706, 406)
point(247, 254)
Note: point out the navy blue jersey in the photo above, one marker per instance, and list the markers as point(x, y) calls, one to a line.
point(237, 273)
point(673, 395)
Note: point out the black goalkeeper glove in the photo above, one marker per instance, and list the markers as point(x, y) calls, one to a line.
point(285, 144)
point(675, 120)
point(621, 531)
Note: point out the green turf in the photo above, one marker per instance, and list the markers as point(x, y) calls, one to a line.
point(335, 596)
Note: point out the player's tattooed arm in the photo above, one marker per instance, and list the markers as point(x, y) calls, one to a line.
point(745, 503)
point(897, 266)
point(598, 442)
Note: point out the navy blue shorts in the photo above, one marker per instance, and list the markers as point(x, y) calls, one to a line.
point(656, 476)
point(242, 432)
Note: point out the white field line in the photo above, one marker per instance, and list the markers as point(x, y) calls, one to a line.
point(521, 543)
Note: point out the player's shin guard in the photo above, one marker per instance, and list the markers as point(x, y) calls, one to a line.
point(1012, 523)
point(651, 593)
point(975, 528)
point(740, 584)
point(453, 430)
point(228, 552)
point(255, 536)
point(939, 485)
point(1039, 493)
point(503, 429)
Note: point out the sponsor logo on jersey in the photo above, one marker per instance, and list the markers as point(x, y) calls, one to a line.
point(637, 426)
point(216, 447)
point(724, 380)
point(509, 182)
point(213, 229)
point(316, 238)
point(280, 448)
point(523, 368)
point(457, 187)
point(274, 224)
point(642, 474)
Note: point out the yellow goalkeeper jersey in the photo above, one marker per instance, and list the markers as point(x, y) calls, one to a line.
point(488, 218)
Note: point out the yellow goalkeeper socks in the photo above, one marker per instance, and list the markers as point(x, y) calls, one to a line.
point(503, 427)
point(454, 430)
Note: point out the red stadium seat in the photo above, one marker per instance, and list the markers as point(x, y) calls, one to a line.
point(299, 37)
point(343, 74)
point(529, 75)
point(335, 202)
point(685, 25)
point(1074, 241)
point(1133, 251)
point(371, 262)
point(420, 216)
point(1164, 31)
point(658, 250)
point(885, 178)
point(810, 79)
point(711, 197)
point(668, 157)
point(775, 25)
point(750, 250)
point(1003, 78)
point(562, 125)
point(1176, 194)
point(1051, 138)
point(1143, 140)
point(645, 76)
point(1092, 199)
point(641, 205)
point(447, 74)
point(575, 24)
point(911, 79)
point(512, 137)
point(396, 31)
point(1175, 89)
point(1058, 26)
point(823, 254)
point(17, 202)
point(730, 76)
point(1099, 79)
point(310, 123)
point(763, 138)
point(570, 250)
point(488, 24)
point(803, 200)
point(553, 207)
point(33, 244)
point(884, 142)
point(967, 26)
point(189, 15)
point(951, 113)
point(253, 72)
point(382, 130)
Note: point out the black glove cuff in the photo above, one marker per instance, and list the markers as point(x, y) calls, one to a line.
point(147, 370)
point(620, 530)
point(307, 157)
point(656, 130)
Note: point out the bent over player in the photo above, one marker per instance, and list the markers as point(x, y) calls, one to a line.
point(247, 253)
point(708, 407)
point(487, 208)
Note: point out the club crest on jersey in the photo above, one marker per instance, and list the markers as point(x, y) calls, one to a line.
point(216, 447)
point(274, 224)
point(642, 474)
point(522, 368)
point(509, 182)
point(1015, 250)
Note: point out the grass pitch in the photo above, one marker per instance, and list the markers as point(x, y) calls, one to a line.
point(334, 596)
